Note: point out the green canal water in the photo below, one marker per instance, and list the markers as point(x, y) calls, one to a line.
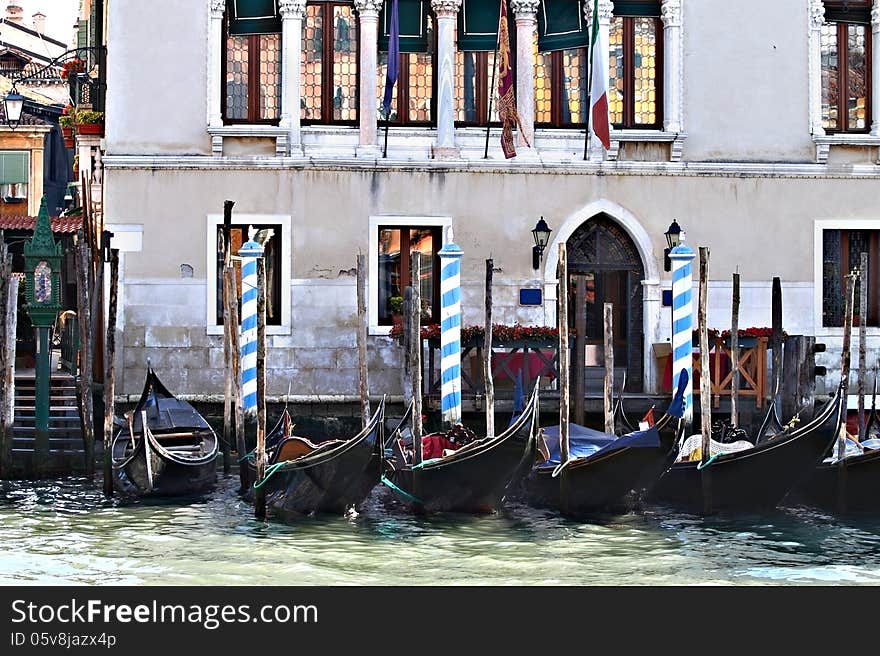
point(65, 532)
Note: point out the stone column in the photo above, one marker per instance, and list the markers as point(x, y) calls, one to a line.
point(670, 12)
point(446, 11)
point(606, 11)
point(525, 12)
point(292, 14)
point(368, 19)
point(875, 69)
point(816, 20)
point(215, 53)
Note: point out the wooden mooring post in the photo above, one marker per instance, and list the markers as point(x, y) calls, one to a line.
point(234, 415)
point(863, 340)
point(564, 369)
point(260, 492)
point(84, 315)
point(415, 321)
point(5, 391)
point(363, 381)
point(608, 314)
point(734, 354)
point(110, 373)
point(845, 359)
point(487, 354)
point(230, 388)
point(578, 357)
point(776, 340)
point(705, 381)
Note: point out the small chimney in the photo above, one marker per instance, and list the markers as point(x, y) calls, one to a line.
point(39, 20)
point(14, 13)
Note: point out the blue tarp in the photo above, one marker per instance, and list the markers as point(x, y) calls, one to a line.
point(584, 442)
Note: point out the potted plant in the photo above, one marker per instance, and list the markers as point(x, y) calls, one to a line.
point(90, 122)
point(395, 306)
point(67, 121)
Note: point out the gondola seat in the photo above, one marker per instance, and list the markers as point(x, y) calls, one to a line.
point(295, 447)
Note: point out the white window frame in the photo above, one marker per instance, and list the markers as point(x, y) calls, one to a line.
point(244, 220)
point(819, 226)
point(373, 260)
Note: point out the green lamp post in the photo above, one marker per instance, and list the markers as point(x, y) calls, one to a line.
point(42, 264)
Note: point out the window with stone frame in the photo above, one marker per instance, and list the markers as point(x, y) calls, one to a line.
point(329, 82)
point(845, 52)
point(396, 243)
point(272, 255)
point(635, 72)
point(841, 253)
point(412, 97)
point(475, 76)
point(252, 63)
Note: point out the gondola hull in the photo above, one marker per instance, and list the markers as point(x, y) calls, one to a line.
point(852, 487)
point(751, 480)
point(611, 482)
point(331, 480)
point(176, 456)
point(478, 477)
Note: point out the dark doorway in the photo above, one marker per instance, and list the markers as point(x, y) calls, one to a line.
point(605, 267)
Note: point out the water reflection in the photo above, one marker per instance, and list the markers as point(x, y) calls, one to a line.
point(66, 532)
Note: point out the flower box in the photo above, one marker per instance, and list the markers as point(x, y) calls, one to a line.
point(91, 129)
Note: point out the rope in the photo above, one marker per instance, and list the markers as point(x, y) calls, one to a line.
point(702, 466)
point(271, 469)
point(403, 493)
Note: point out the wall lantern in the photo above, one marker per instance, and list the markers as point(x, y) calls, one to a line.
point(673, 239)
point(541, 233)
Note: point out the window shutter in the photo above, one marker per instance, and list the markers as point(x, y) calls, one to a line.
point(850, 15)
point(636, 8)
point(412, 22)
point(561, 25)
point(253, 17)
point(478, 25)
point(14, 167)
point(82, 34)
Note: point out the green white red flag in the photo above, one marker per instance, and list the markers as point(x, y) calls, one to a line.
point(599, 82)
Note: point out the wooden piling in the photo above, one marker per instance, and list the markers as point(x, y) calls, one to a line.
point(845, 357)
point(705, 381)
point(406, 370)
point(110, 373)
point(5, 425)
point(363, 382)
point(229, 389)
point(415, 310)
point(259, 492)
point(863, 340)
point(564, 364)
point(734, 354)
point(578, 364)
point(233, 377)
point(609, 367)
point(84, 291)
point(11, 311)
point(776, 339)
point(487, 354)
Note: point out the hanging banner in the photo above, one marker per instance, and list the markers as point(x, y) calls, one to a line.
point(253, 17)
point(561, 25)
point(413, 24)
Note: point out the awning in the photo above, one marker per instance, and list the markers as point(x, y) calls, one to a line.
point(412, 24)
point(253, 17)
point(561, 25)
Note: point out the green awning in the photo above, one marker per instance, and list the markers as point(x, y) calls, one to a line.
point(561, 25)
point(253, 17)
point(478, 24)
point(14, 167)
point(412, 23)
point(636, 8)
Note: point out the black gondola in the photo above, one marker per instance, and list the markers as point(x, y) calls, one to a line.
point(174, 455)
point(605, 473)
point(334, 476)
point(850, 485)
point(755, 478)
point(474, 478)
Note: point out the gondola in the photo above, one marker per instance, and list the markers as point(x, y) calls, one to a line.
point(850, 485)
point(604, 472)
point(303, 478)
point(473, 479)
point(173, 455)
point(755, 478)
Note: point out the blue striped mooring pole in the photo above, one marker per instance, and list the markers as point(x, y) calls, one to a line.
point(682, 257)
point(249, 252)
point(450, 330)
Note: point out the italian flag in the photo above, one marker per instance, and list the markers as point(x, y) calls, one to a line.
point(599, 82)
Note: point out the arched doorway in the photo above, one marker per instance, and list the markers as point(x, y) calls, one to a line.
point(604, 266)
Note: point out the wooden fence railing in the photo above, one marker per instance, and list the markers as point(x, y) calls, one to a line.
point(752, 369)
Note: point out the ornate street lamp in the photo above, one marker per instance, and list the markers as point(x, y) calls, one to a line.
point(13, 103)
point(541, 233)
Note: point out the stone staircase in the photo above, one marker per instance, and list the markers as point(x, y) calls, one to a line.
point(66, 454)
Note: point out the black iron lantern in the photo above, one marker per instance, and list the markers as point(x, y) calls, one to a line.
point(541, 233)
point(673, 239)
point(13, 104)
